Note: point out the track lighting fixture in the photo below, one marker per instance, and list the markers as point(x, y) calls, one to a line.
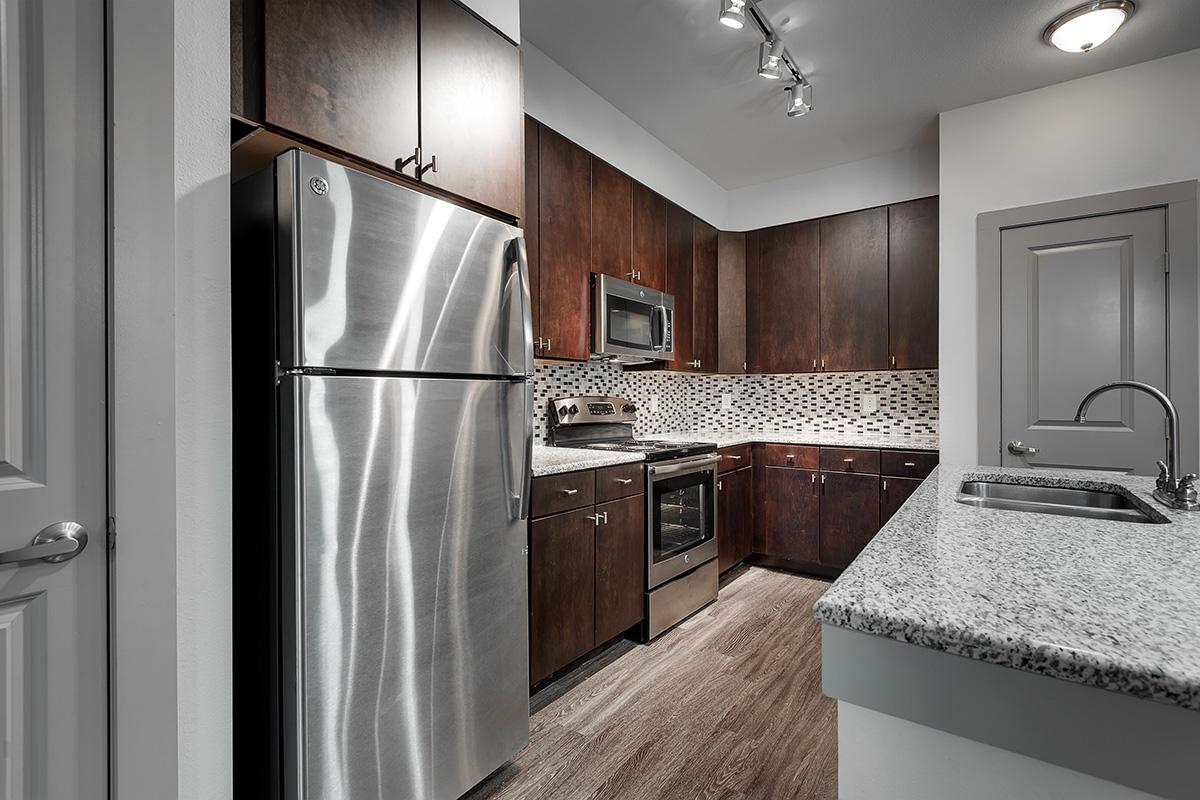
point(733, 13)
point(774, 61)
point(799, 97)
point(768, 59)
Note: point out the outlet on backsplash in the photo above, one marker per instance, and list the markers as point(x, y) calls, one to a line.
point(726, 401)
point(870, 404)
point(654, 408)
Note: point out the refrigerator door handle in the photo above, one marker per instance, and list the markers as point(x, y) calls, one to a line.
point(519, 264)
point(518, 470)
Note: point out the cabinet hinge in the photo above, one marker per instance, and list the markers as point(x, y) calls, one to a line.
point(110, 528)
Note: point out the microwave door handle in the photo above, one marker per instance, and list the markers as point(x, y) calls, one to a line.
point(659, 343)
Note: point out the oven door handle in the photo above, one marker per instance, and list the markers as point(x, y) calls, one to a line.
point(684, 466)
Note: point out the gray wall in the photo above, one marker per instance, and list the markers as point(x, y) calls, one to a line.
point(1123, 129)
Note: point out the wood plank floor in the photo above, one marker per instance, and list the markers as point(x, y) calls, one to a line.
point(727, 705)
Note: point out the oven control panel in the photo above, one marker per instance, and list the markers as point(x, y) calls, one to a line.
point(580, 410)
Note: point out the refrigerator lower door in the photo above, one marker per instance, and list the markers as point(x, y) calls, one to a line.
point(374, 276)
point(405, 614)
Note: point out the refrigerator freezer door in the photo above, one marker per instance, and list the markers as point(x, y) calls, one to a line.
point(374, 276)
point(408, 607)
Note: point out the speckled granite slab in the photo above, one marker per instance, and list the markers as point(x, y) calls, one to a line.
point(555, 460)
point(1114, 605)
point(731, 438)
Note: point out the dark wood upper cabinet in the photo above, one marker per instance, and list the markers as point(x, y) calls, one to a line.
point(789, 514)
point(649, 237)
point(735, 517)
point(784, 314)
point(753, 321)
point(342, 73)
point(913, 284)
point(892, 494)
point(620, 566)
point(679, 283)
point(731, 302)
point(564, 228)
point(561, 590)
point(471, 100)
point(854, 291)
point(849, 516)
point(529, 218)
point(704, 296)
point(612, 221)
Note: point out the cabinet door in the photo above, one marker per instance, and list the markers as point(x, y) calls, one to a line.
point(854, 291)
point(620, 566)
point(786, 313)
point(529, 222)
point(679, 283)
point(343, 73)
point(471, 101)
point(612, 221)
point(564, 227)
point(789, 514)
point(649, 237)
point(735, 517)
point(731, 302)
point(849, 515)
point(913, 284)
point(562, 559)
point(704, 296)
point(892, 494)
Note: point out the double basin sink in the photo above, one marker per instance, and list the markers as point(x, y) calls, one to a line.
point(1061, 501)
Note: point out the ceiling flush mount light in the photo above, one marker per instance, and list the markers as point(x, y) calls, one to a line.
point(733, 13)
point(799, 97)
point(768, 59)
point(1082, 28)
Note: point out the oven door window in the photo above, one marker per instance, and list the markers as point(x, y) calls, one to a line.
point(683, 514)
point(630, 323)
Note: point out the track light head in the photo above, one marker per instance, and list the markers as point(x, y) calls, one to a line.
point(733, 13)
point(769, 63)
point(799, 99)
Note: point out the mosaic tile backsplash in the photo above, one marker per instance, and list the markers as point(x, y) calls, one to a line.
point(828, 402)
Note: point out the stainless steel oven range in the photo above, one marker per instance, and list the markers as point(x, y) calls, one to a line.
point(681, 491)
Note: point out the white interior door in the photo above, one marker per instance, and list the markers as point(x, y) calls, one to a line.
point(1084, 302)
point(53, 628)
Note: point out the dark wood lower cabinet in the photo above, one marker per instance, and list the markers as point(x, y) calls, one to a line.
point(620, 566)
point(892, 494)
point(562, 600)
point(735, 517)
point(849, 515)
point(790, 507)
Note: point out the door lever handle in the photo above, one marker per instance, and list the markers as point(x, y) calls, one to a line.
point(1019, 449)
point(54, 544)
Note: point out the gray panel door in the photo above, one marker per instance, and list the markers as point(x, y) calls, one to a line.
point(53, 616)
point(391, 280)
point(1084, 302)
point(413, 611)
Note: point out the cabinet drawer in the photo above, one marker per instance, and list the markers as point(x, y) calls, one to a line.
point(850, 459)
point(555, 493)
point(908, 463)
point(786, 455)
point(734, 457)
point(624, 480)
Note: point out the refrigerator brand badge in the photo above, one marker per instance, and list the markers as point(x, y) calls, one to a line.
point(319, 185)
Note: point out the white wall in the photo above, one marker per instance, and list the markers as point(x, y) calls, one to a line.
point(1128, 128)
point(505, 15)
point(558, 99)
point(171, 463)
point(888, 178)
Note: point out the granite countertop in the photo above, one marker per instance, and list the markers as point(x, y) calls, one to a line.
point(556, 460)
point(1114, 605)
point(731, 438)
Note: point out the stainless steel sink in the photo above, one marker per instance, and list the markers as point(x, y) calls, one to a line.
point(1087, 503)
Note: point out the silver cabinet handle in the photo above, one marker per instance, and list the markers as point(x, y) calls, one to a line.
point(893, 362)
point(636, 275)
point(814, 363)
point(430, 167)
point(401, 163)
point(910, 463)
point(624, 481)
point(885, 486)
point(54, 544)
point(600, 518)
point(735, 458)
point(790, 457)
point(719, 486)
point(1019, 449)
point(848, 460)
point(569, 492)
point(546, 346)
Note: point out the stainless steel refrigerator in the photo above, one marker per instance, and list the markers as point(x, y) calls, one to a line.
point(384, 647)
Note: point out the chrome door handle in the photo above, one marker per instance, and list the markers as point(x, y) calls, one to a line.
point(624, 481)
point(430, 167)
point(735, 458)
point(569, 492)
point(54, 544)
point(1019, 449)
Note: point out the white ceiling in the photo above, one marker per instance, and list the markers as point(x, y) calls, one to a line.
point(881, 70)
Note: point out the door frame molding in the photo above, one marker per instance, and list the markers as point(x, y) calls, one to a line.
point(1180, 202)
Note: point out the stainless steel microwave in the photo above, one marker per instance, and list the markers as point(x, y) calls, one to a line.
point(631, 324)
